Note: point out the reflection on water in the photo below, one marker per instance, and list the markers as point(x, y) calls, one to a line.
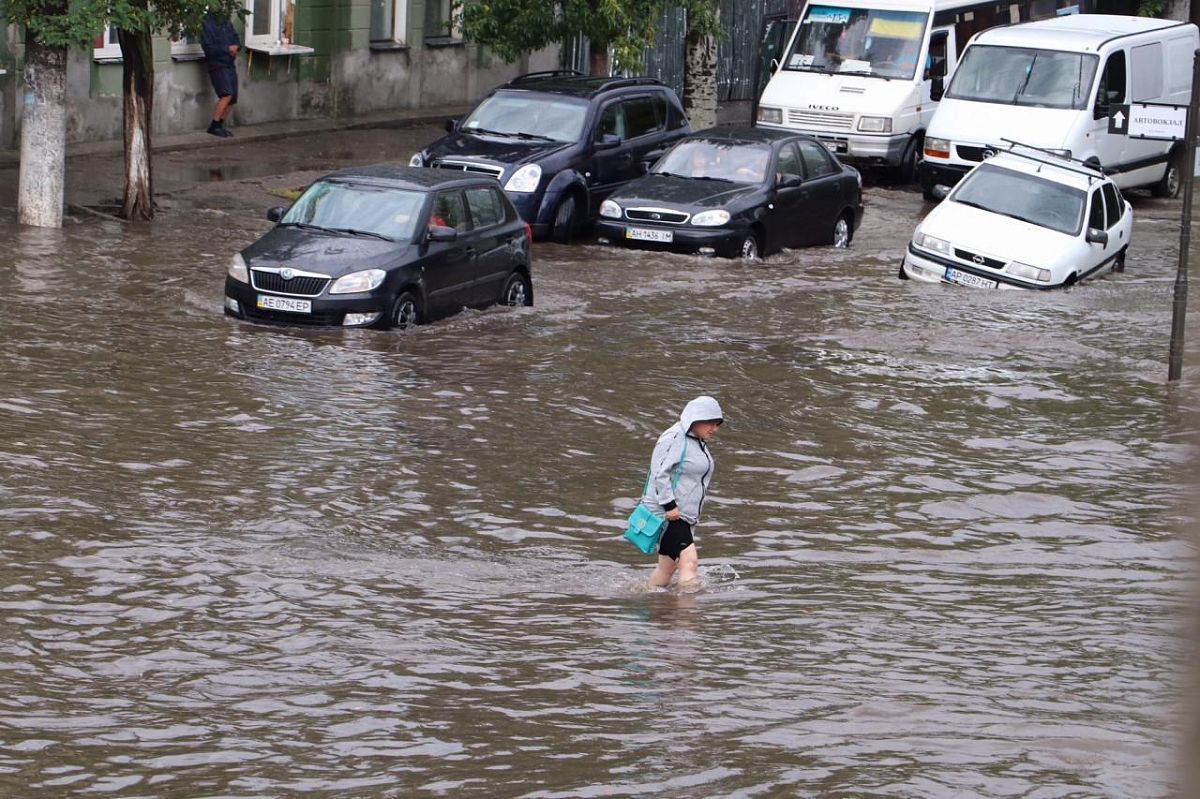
point(938, 557)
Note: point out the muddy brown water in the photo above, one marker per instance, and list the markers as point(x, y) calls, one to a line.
point(941, 555)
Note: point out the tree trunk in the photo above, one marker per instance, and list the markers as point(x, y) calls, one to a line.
point(700, 79)
point(598, 58)
point(138, 95)
point(43, 135)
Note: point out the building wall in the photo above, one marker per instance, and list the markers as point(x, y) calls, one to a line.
point(345, 75)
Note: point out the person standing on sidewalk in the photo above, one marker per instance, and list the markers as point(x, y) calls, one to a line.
point(220, 42)
point(682, 447)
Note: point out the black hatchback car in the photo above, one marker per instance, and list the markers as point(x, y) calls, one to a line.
point(737, 192)
point(560, 142)
point(384, 246)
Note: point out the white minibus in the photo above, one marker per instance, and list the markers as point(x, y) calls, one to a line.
point(864, 76)
point(1052, 84)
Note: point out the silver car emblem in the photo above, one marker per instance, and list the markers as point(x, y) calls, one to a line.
point(977, 259)
point(286, 274)
point(656, 216)
point(988, 152)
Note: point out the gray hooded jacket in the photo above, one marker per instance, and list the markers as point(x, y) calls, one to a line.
point(689, 493)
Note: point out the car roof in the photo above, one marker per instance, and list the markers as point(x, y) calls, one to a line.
point(575, 84)
point(1073, 32)
point(742, 133)
point(407, 177)
point(1049, 167)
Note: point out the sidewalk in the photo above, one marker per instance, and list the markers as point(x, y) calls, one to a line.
point(252, 133)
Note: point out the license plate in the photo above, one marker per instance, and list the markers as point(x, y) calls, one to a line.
point(838, 147)
point(642, 234)
point(284, 304)
point(967, 279)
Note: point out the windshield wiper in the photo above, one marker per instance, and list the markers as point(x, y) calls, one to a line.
point(710, 177)
point(534, 136)
point(305, 225)
point(357, 232)
point(487, 132)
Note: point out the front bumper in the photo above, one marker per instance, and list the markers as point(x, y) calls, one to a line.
point(930, 174)
point(724, 241)
point(326, 311)
point(933, 269)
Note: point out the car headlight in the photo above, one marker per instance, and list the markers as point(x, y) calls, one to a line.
point(931, 243)
point(237, 268)
point(711, 218)
point(356, 282)
point(1031, 272)
point(875, 124)
point(610, 210)
point(938, 148)
point(525, 179)
point(416, 160)
point(772, 116)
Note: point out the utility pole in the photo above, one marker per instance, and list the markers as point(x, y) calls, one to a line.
point(1179, 311)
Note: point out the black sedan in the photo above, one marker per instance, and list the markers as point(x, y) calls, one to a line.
point(384, 246)
point(737, 192)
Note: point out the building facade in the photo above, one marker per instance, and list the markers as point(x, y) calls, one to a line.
point(300, 59)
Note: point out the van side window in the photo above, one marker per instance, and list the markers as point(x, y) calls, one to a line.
point(935, 62)
point(1147, 63)
point(1096, 215)
point(1112, 204)
point(1112, 85)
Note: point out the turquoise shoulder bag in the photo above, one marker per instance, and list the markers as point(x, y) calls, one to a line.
point(645, 526)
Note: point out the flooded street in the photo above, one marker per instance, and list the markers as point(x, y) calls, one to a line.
point(942, 554)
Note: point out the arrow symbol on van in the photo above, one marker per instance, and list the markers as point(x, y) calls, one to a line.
point(1119, 120)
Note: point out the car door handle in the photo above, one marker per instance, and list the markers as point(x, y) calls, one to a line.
point(470, 250)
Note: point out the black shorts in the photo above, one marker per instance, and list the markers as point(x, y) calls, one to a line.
point(224, 81)
point(676, 538)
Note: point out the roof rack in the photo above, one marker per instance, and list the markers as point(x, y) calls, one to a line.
point(547, 73)
point(617, 83)
point(1091, 169)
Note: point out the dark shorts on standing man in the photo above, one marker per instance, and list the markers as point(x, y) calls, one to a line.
point(224, 81)
point(676, 538)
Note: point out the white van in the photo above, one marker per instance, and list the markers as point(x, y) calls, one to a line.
point(864, 76)
point(1051, 85)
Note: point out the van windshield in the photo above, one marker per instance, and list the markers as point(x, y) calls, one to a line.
point(1024, 76)
point(524, 115)
point(1022, 196)
point(861, 41)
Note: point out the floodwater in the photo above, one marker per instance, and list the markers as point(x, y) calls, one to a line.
point(941, 557)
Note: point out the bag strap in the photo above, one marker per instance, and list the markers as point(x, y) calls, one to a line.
point(678, 470)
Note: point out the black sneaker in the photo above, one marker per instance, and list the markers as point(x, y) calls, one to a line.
point(225, 132)
point(215, 129)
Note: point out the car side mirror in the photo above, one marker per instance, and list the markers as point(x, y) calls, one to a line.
point(441, 233)
point(937, 88)
point(451, 125)
point(608, 141)
point(789, 181)
point(1097, 236)
point(275, 214)
point(940, 192)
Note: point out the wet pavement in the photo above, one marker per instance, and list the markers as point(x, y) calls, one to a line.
point(941, 555)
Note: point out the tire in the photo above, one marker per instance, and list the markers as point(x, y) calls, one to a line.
point(910, 162)
point(565, 220)
point(1119, 264)
point(406, 312)
point(928, 194)
point(1168, 186)
point(903, 275)
point(517, 291)
point(750, 249)
point(842, 232)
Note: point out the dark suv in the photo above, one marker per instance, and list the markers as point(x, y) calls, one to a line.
point(560, 142)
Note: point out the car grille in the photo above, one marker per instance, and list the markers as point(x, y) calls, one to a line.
point(320, 319)
point(967, 153)
point(979, 260)
point(471, 166)
point(814, 120)
point(300, 286)
point(657, 215)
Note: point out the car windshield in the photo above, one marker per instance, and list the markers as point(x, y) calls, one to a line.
point(358, 208)
point(525, 115)
point(882, 44)
point(1022, 196)
point(735, 162)
point(1024, 76)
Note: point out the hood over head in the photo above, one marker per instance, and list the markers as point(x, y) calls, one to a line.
point(701, 409)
